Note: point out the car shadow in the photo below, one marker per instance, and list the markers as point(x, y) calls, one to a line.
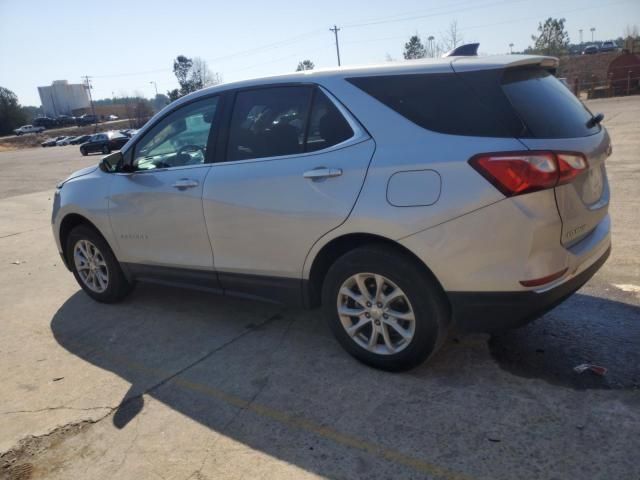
point(240, 367)
point(585, 329)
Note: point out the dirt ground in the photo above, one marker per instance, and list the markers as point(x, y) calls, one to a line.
point(176, 384)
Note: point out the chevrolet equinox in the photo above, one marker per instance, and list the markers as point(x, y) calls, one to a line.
point(402, 199)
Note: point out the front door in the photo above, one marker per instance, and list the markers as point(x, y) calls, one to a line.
point(156, 211)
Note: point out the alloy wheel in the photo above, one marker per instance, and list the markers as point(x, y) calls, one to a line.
point(376, 313)
point(91, 266)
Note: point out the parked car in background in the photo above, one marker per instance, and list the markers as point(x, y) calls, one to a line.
point(65, 120)
point(590, 50)
point(28, 129)
point(87, 119)
point(45, 122)
point(80, 139)
point(394, 197)
point(64, 141)
point(52, 142)
point(104, 143)
point(608, 46)
point(129, 132)
point(113, 117)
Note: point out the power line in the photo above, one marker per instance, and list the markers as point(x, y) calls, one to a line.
point(493, 24)
point(335, 31)
point(250, 51)
point(436, 14)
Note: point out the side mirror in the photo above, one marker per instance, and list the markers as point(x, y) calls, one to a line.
point(111, 163)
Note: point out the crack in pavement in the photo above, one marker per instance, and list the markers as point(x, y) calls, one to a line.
point(249, 403)
point(46, 409)
point(11, 455)
point(201, 359)
point(20, 233)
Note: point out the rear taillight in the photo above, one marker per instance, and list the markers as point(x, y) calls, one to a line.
point(570, 165)
point(516, 173)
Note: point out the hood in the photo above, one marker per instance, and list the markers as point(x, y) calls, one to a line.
point(78, 173)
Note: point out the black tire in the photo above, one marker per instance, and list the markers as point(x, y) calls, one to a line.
point(118, 286)
point(106, 150)
point(428, 301)
point(83, 152)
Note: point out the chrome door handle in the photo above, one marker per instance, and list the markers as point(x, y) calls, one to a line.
point(322, 172)
point(185, 183)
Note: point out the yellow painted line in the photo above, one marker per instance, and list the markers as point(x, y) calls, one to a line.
point(299, 423)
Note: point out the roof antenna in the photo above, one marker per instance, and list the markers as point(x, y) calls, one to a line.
point(466, 50)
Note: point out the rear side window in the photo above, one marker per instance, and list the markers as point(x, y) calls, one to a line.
point(268, 122)
point(521, 103)
point(445, 103)
point(327, 126)
point(545, 105)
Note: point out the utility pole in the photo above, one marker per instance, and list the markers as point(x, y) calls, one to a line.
point(511, 48)
point(580, 32)
point(156, 86)
point(335, 31)
point(88, 86)
point(593, 29)
point(432, 54)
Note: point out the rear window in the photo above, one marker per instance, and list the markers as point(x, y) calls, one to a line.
point(521, 103)
point(545, 105)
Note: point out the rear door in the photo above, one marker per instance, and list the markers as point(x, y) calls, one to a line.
point(556, 120)
point(294, 163)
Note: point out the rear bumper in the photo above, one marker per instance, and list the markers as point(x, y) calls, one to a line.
point(494, 311)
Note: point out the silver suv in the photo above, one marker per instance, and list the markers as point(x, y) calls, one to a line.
point(404, 199)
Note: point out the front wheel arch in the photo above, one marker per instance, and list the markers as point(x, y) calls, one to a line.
point(68, 223)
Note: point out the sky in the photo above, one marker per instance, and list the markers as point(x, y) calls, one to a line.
point(126, 45)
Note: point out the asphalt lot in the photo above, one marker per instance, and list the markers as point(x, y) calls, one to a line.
point(181, 384)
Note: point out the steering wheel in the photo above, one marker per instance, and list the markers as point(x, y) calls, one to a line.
point(190, 148)
point(184, 155)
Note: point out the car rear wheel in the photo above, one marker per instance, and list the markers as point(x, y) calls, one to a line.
point(384, 309)
point(95, 267)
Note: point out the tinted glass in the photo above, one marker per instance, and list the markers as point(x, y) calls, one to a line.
point(327, 126)
point(447, 103)
point(546, 106)
point(268, 122)
point(179, 139)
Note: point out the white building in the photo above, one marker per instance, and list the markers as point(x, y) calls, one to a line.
point(61, 98)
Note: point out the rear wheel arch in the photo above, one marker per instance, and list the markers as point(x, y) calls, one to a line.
point(339, 246)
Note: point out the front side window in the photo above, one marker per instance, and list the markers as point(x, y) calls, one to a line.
point(268, 122)
point(179, 139)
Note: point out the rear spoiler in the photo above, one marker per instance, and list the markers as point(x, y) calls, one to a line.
point(469, 64)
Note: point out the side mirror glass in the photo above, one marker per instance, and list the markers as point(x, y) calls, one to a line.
point(112, 162)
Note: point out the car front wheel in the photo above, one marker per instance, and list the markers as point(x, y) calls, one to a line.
point(384, 308)
point(95, 267)
point(83, 152)
point(105, 149)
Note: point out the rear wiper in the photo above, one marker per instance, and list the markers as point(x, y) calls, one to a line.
point(595, 120)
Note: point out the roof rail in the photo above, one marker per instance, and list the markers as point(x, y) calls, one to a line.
point(466, 50)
